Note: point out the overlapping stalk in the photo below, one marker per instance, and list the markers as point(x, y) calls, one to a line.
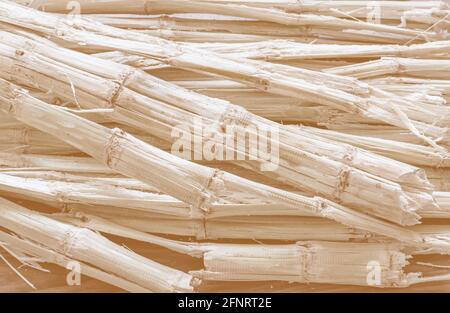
point(271, 15)
point(65, 191)
point(305, 262)
point(88, 105)
point(350, 95)
point(30, 249)
point(194, 184)
point(87, 246)
point(392, 10)
point(283, 50)
point(200, 28)
point(141, 111)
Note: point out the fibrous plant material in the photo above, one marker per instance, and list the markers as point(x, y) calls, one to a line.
point(100, 106)
point(298, 151)
point(89, 247)
point(303, 262)
point(199, 186)
point(67, 191)
point(339, 92)
point(31, 249)
point(14, 161)
point(276, 16)
point(194, 184)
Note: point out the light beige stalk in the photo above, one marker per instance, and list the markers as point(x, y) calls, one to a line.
point(87, 246)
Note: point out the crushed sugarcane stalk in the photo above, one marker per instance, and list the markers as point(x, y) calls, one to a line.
point(114, 115)
point(287, 81)
point(89, 247)
point(191, 183)
point(215, 256)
